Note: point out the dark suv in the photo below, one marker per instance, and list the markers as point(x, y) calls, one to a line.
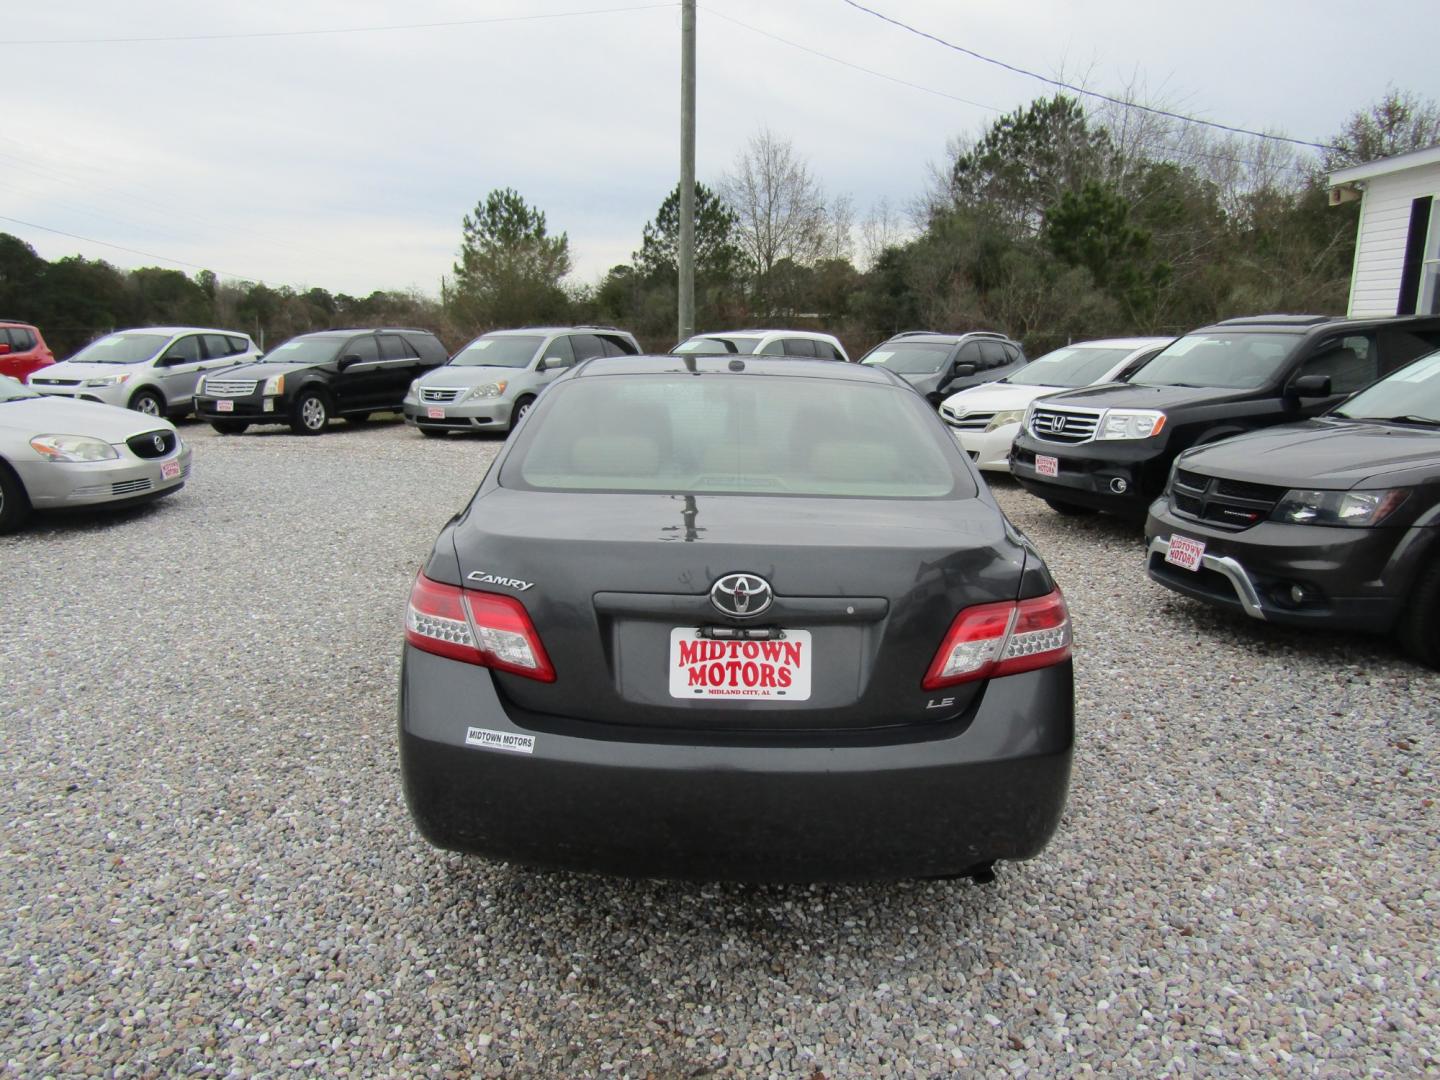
point(313, 377)
point(1332, 522)
point(22, 350)
point(1111, 447)
point(937, 365)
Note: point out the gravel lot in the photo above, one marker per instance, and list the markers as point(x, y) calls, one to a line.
point(208, 867)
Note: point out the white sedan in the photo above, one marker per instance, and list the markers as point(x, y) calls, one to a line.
point(985, 419)
point(60, 454)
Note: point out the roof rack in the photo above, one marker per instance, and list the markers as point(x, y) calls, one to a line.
point(1288, 320)
point(595, 326)
point(914, 333)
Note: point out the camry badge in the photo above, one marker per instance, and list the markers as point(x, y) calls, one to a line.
point(484, 577)
point(741, 595)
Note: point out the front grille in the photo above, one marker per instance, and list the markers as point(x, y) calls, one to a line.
point(972, 421)
point(1228, 504)
point(229, 387)
point(54, 382)
point(439, 395)
point(130, 487)
point(1064, 425)
point(152, 444)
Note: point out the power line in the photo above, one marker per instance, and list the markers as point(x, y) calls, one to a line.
point(848, 64)
point(1149, 145)
point(1081, 90)
point(132, 251)
point(343, 29)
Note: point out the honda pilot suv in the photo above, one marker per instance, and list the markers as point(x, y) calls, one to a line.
point(313, 377)
point(492, 382)
point(938, 365)
point(1333, 522)
point(1111, 447)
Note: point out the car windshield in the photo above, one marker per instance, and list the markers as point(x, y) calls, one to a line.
point(14, 390)
point(1411, 394)
point(1070, 366)
point(1238, 360)
point(512, 351)
point(724, 434)
point(121, 349)
point(304, 351)
point(910, 357)
point(715, 346)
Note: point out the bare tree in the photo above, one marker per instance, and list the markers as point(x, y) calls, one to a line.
point(781, 208)
point(882, 228)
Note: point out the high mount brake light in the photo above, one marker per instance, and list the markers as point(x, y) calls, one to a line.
point(476, 628)
point(990, 640)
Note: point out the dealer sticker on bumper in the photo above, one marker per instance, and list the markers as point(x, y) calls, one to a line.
point(169, 470)
point(500, 740)
point(1046, 465)
point(224, 405)
point(1185, 553)
point(434, 412)
point(776, 669)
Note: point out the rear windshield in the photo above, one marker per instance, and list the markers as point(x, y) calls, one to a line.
point(720, 433)
point(512, 351)
point(1229, 361)
point(714, 346)
point(1069, 366)
point(1411, 394)
point(121, 349)
point(910, 357)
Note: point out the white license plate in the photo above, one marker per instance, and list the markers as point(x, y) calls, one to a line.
point(740, 670)
point(169, 470)
point(1185, 553)
point(435, 413)
point(1046, 465)
point(224, 405)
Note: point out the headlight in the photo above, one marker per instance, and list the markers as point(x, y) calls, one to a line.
point(1130, 424)
point(414, 390)
point(72, 448)
point(489, 389)
point(1000, 419)
point(107, 380)
point(1303, 507)
point(275, 384)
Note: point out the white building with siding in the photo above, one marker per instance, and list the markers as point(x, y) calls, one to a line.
point(1397, 251)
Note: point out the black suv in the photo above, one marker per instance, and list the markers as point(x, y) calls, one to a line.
point(313, 377)
point(1111, 447)
point(1331, 522)
point(937, 365)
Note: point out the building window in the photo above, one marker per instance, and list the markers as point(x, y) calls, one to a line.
point(1420, 278)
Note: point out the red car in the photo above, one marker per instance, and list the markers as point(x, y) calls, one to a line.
point(22, 350)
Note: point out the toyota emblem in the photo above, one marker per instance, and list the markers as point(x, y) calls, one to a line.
point(741, 595)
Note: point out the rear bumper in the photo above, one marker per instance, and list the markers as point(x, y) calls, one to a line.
point(819, 812)
point(1352, 579)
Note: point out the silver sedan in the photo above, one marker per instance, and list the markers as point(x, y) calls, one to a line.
point(59, 454)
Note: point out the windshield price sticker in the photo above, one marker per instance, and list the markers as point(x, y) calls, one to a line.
point(777, 670)
point(1046, 465)
point(434, 413)
point(1185, 553)
point(224, 405)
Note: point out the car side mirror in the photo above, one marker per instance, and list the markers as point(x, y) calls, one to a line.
point(1310, 386)
point(963, 370)
point(551, 362)
point(4, 348)
point(347, 360)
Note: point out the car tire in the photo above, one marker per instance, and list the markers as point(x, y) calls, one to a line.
point(149, 403)
point(310, 414)
point(1419, 626)
point(230, 427)
point(14, 503)
point(1069, 509)
point(520, 408)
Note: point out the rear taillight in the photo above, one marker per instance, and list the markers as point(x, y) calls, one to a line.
point(475, 627)
point(991, 640)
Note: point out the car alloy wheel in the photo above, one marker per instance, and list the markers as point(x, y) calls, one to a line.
point(521, 408)
point(311, 414)
point(147, 404)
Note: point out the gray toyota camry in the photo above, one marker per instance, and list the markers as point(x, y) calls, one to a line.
point(736, 618)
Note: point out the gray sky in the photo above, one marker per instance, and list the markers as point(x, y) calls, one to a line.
point(346, 160)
